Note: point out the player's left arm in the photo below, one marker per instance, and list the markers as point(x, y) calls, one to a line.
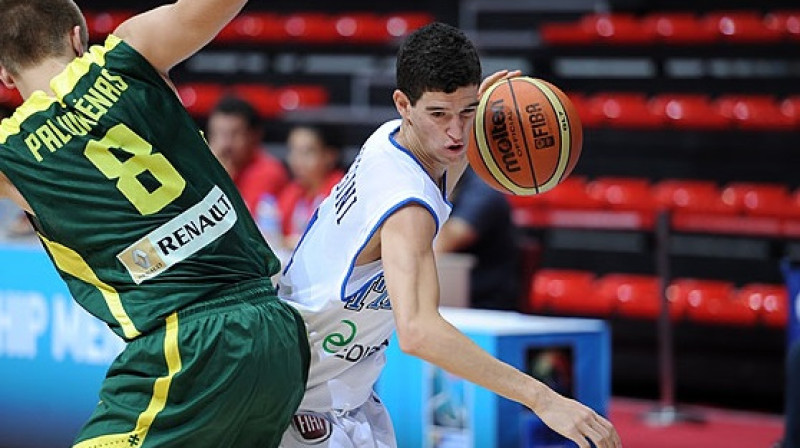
point(411, 278)
point(171, 33)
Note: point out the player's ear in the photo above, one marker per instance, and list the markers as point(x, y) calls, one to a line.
point(76, 40)
point(401, 102)
point(6, 78)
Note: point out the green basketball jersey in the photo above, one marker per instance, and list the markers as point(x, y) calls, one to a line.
point(134, 210)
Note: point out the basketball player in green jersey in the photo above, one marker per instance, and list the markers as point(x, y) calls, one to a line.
point(147, 229)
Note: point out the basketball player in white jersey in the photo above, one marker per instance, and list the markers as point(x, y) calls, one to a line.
point(372, 238)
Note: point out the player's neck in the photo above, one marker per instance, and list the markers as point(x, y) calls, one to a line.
point(412, 143)
point(38, 77)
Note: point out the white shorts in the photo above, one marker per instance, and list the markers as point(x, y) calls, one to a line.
point(368, 426)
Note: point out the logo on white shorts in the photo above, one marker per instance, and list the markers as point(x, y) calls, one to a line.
point(311, 428)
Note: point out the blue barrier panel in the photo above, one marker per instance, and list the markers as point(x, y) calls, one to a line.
point(53, 354)
point(431, 408)
point(791, 274)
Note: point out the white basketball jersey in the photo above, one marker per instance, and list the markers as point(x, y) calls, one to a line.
point(346, 307)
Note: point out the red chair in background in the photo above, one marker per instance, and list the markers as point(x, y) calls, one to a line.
point(625, 110)
point(712, 301)
point(311, 28)
point(9, 97)
point(570, 194)
point(362, 27)
point(786, 22)
point(790, 107)
point(621, 193)
point(582, 103)
point(263, 98)
point(677, 28)
point(566, 291)
point(755, 112)
point(770, 301)
point(102, 23)
point(199, 99)
point(637, 296)
point(566, 33)
point(295, 96)
point(617, 28)
point(740, 27)
point(254, 27)
point(690, 195)
point(758, 199)
point(401, 24)
point(689, 111)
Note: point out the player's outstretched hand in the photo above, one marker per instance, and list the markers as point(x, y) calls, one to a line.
point(496, 76)
point(577, 422)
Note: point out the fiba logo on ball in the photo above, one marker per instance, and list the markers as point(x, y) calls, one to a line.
point(527, 136)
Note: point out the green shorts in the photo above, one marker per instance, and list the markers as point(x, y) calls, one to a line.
point(229, 372)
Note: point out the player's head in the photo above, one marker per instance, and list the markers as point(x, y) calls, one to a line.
point(32, 31)
point(314, 153)
point(438, 73)
point(234, 132)
point(436, 58)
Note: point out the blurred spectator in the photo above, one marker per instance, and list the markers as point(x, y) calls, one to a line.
point(314, 159)
point(481, 225)
point(234, 135)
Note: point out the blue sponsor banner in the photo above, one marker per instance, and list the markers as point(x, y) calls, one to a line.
point(53, 354)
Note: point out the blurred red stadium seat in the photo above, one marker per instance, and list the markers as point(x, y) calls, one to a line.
point(677, 28)
point(254, 27)
point(565, 33)
point(758, 199)
point(690, 195)
point(621, 193)
point(769, 300)
point(200, 98)
point(790, 107)
point(10, 98)
point(755, 112)
point(786, 22)
point(740, 27)
point(689, 111)
point(582, 104)
point(362, 27)
point(637, 296)
point(625, 110)
point(571, 193)
point(401, 24)
point(567, 291)
point(712, 301)
point(102, 23)
point(263, 98)
point(310, 27)
point(616, 28)
point(296, 96)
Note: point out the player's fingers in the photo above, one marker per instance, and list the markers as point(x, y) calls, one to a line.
point(579, 439)
point(597, 435)
point(491, 79)
point(608, 430)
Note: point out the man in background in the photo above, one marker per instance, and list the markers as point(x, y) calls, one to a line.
point(480, 225)
point(235, 136)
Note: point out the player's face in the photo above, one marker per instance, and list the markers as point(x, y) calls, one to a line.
point(441, 122)
point(231, 139)
point(308, 159)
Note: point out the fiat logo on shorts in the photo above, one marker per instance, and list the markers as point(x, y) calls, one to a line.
point(311, 428)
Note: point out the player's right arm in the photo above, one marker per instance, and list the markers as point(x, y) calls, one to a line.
point(410, 271)
point(171, 33)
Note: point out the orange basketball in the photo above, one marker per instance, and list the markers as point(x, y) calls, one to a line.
point(526, 138)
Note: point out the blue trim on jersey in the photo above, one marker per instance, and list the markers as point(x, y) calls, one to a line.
point(300, 241)
point(442, 187)
point(380, 222)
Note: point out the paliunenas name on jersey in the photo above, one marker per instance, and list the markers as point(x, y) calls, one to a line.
point(347, 307)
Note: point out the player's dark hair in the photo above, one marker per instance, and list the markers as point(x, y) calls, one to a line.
point(436, 58)
point(233, 105)
point(34, 30)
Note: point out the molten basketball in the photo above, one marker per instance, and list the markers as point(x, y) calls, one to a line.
point(526, 138)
